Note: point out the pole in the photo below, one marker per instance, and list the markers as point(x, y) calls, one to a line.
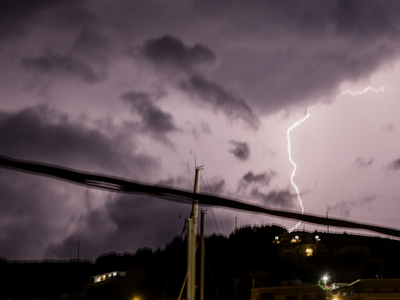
point(78, 250)
point(195, 205)
point(202, 254)
point(192, 232)
point(191, 260)
point(327, 218)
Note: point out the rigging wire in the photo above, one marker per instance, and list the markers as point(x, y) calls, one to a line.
point(174, 262)
point(216, 218)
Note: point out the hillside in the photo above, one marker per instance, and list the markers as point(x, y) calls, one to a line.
point(248, 257)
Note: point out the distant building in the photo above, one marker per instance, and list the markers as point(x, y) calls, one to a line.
point(337, 285)
point(106, 276)
point(369, 289)
point(98, 286)
point(299, 292)
point(298, 245)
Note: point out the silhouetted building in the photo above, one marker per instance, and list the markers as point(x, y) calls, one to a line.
point(293, 292)
point(369, 289)
point(74, 296)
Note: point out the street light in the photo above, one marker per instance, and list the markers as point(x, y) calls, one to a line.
point(325, 278)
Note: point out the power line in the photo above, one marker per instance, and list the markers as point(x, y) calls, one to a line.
point(121, 185)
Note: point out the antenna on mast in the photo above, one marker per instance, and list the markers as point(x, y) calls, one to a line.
point(194, 154)
point(192, 234)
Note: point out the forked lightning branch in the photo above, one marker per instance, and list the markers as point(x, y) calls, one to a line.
point(350, 92)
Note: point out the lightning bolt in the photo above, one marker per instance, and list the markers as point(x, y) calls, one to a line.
point(350, 92)
point(369, 88)
point(294, 164)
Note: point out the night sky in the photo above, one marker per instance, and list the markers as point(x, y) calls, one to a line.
point(129, 88)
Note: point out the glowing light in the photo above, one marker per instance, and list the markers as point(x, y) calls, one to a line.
point(294, 164)
point(325, 279)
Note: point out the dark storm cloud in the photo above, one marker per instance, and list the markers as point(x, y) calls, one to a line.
point(345, 207)
point(362, 162)
point(68, 249)
point(91, 228)
point(170, 50)
point(17, 17)
point(125, 224)
point(261, 179)
point(154, 119)
point(215, 187)
point(91, 44)
point(151, 222)
point(220, 99)
point(39, 133)
point(32, 213)
point(204, 128)
point(364, 18)
point(241, 150)
point(394, 165)
point(272, 55)
point(311, 74)
point(61, 65)
point(276, 54)
point(282, 198)
point(288, 52)
point(35, 209)
point(14, 14)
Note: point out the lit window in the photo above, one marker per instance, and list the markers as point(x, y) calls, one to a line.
point(309, 252)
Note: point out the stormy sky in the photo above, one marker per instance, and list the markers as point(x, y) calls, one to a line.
point(129, 88)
